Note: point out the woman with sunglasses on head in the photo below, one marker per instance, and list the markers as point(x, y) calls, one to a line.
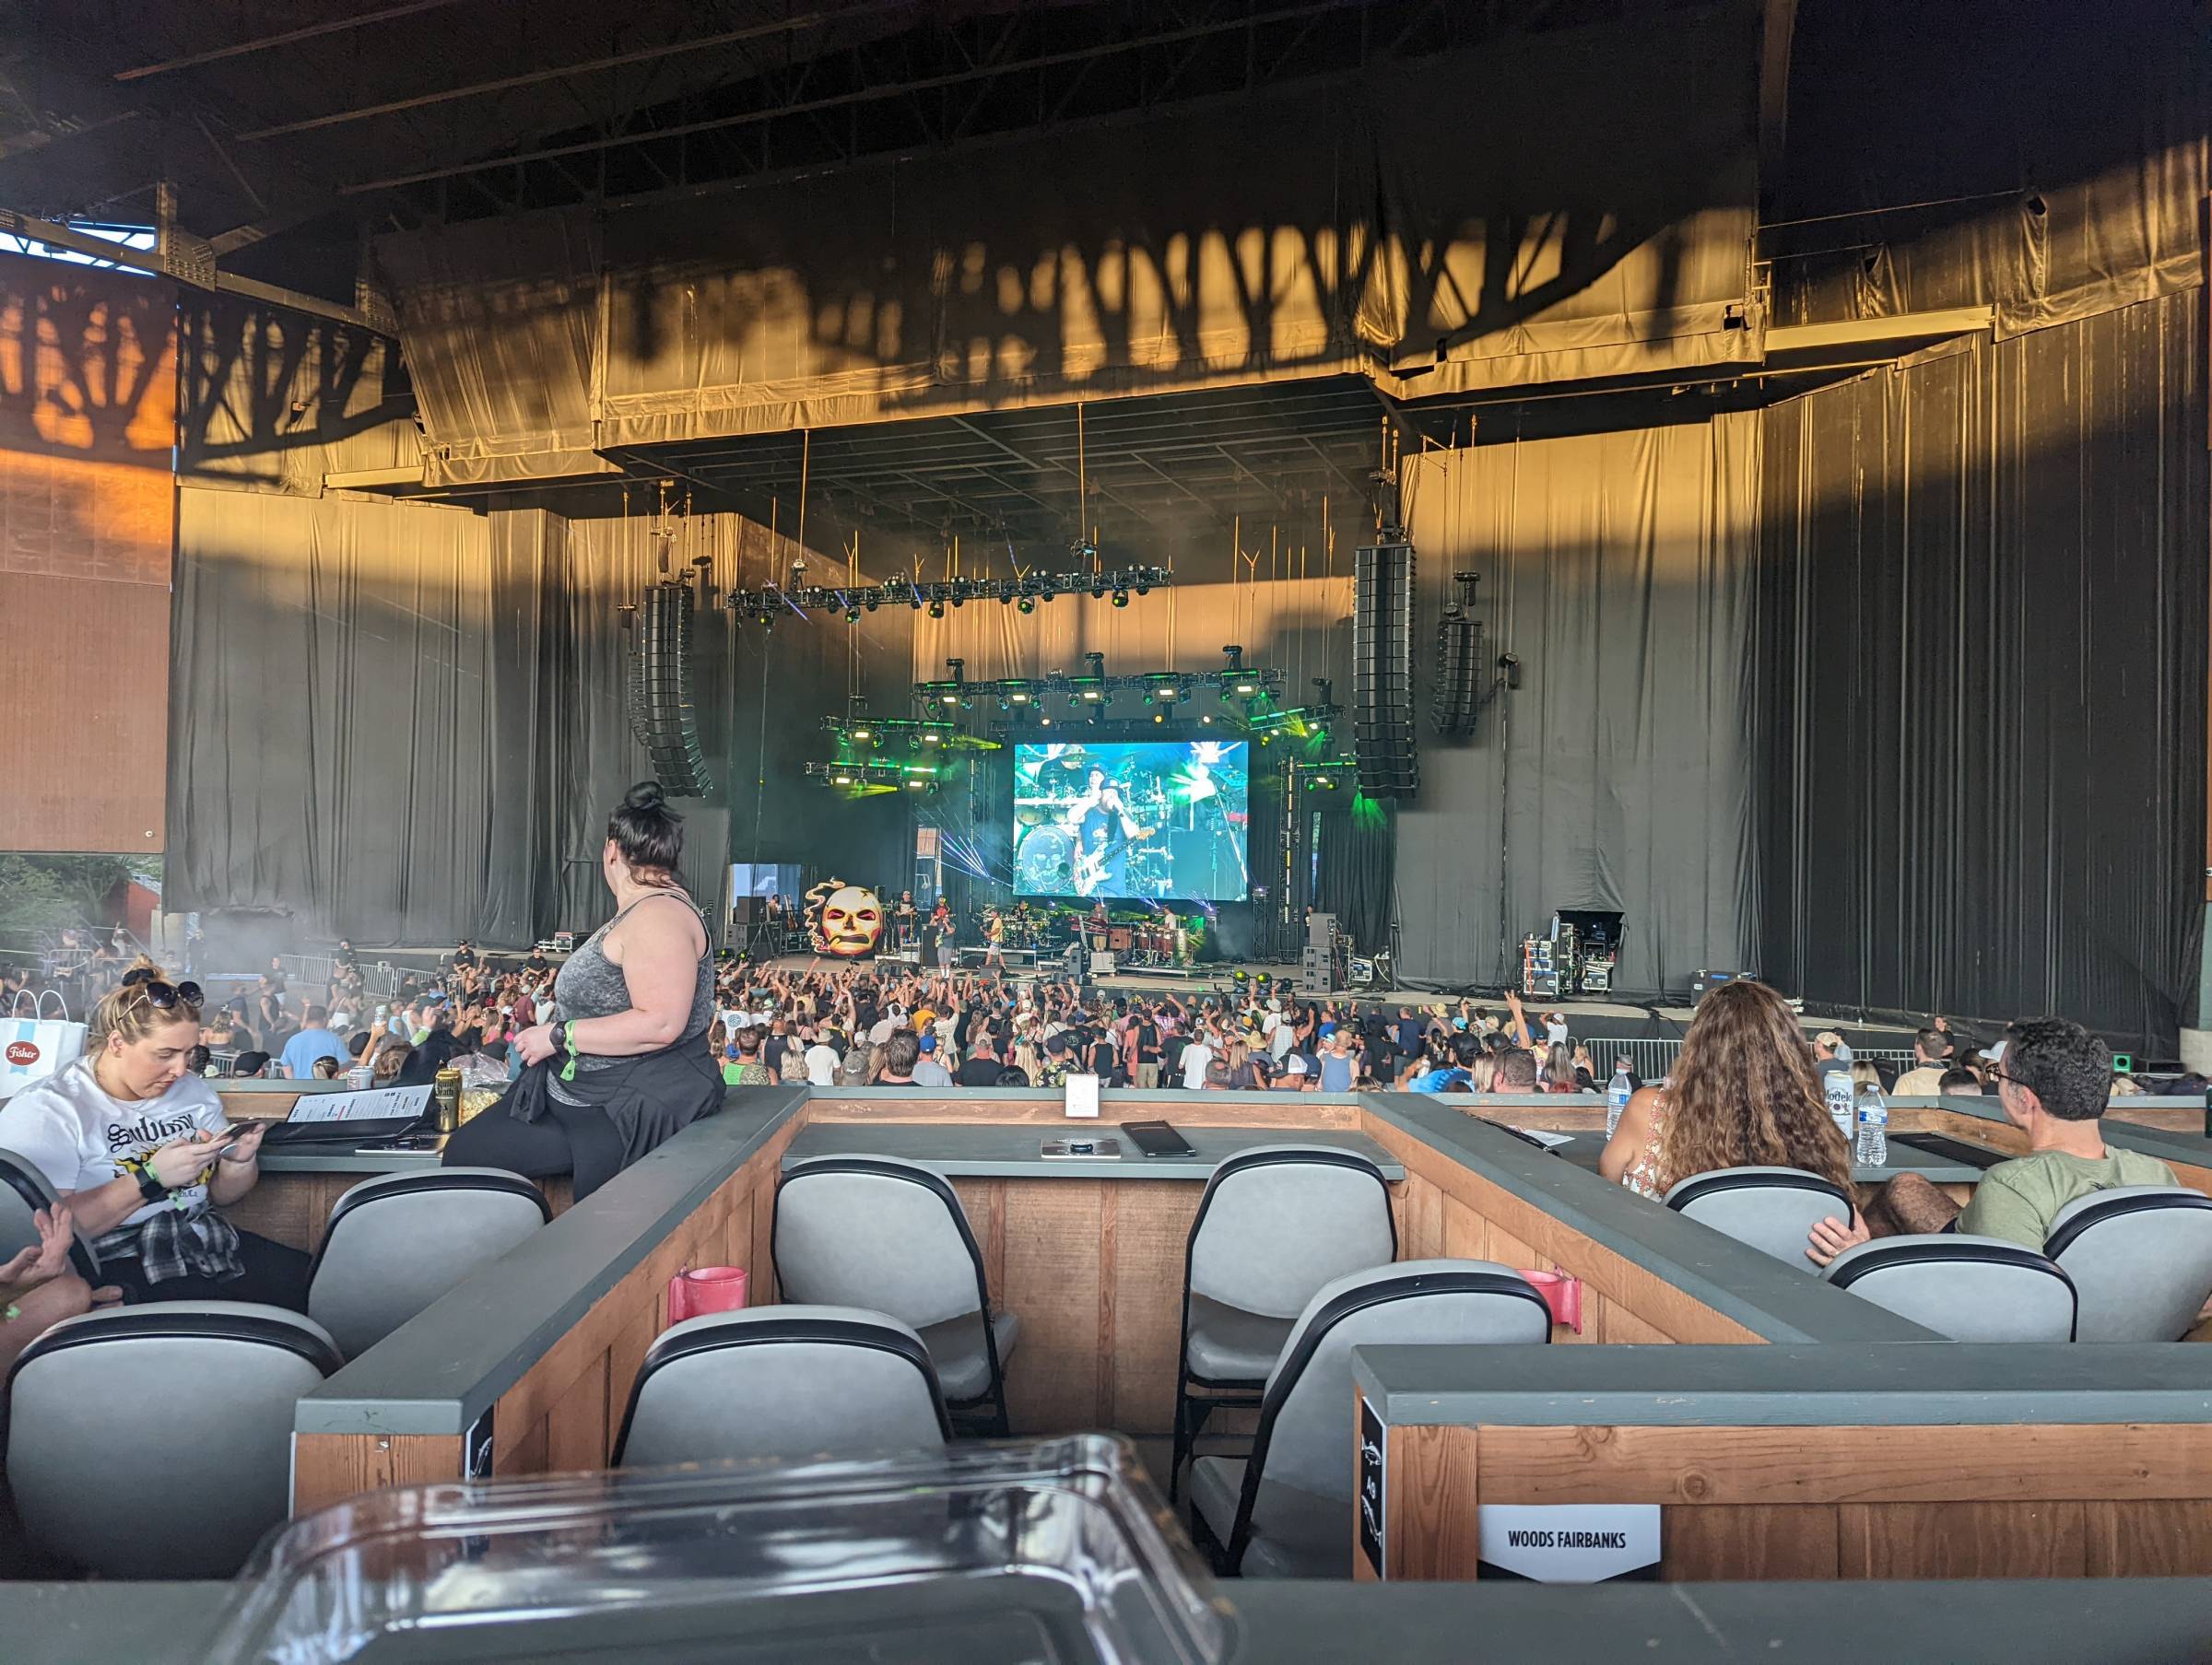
point(141, 1153)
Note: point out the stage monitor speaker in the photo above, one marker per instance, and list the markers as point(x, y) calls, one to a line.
point(1459, 662)
point(662, 713)
point(1384, 743)
point(744, 910)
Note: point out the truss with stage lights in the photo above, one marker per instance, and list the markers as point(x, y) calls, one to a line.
point(767, 604)
point(863, 778)
point(1245, 693)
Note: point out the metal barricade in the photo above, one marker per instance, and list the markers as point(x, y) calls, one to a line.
point(1653, 1060)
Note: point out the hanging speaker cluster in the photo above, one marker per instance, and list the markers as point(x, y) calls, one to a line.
point(1383, 743)
point(1461, 673)
point(661, 714)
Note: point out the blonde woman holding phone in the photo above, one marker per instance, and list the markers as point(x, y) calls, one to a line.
point(141, 1152)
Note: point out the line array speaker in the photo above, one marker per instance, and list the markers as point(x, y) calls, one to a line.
point(1459, 662)
point(661, 710)
point(1382, 723)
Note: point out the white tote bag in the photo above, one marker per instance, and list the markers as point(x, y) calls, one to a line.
point(33, 1048)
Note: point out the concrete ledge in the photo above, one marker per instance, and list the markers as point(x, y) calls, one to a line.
point(1789, 1386)
point(1774, 1301)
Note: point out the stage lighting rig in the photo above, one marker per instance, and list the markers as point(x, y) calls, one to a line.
point(762, 605)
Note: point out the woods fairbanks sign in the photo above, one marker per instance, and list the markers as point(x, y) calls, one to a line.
point(1567, 1542)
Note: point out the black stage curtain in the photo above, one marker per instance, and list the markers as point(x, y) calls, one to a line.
point(1619, 569)
point(340, 754)
point(1359, 872)
point(1983, 729)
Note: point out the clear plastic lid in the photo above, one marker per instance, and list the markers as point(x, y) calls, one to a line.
point(1038, 1552)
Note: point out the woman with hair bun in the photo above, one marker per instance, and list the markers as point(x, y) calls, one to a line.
point(621, 1063)
point(140, 1150)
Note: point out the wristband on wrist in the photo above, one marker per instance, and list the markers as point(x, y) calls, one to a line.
point(149, 1184)
point(568, 1041)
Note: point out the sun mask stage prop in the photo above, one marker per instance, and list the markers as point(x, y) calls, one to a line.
point(845, 921)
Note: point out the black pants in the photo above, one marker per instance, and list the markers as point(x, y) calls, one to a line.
point(569, 1139)
point(276, 1275)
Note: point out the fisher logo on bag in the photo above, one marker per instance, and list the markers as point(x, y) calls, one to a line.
point(21, 1053)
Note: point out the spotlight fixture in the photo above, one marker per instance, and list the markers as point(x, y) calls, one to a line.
point(851, 615)
point(798, 596)
point(841, 779)
point(1121, 597)
point(936, 609)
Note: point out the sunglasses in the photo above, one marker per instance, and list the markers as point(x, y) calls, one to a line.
point(160, 995)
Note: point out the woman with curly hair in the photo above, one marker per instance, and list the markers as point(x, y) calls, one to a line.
point(1743, 1094)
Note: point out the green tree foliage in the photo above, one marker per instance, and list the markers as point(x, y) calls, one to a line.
point(46, 893)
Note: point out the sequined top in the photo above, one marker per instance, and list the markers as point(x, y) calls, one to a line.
point(1642, 1176)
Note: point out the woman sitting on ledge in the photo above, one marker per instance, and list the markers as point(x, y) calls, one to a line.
point(1743, 1094)
point(623, 1063)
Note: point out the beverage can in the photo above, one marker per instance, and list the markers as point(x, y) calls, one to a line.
point(360, 1077)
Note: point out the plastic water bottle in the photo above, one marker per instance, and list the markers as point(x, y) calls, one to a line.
point(1874, 1129)
point(1836, 1084)
point(1616, 1098)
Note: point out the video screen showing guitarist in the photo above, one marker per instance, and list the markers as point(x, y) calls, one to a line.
point(1105, 833)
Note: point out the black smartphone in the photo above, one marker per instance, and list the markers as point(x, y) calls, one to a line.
point(1157, 1139)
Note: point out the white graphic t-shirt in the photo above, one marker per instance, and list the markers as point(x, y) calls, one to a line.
point(73, 1132)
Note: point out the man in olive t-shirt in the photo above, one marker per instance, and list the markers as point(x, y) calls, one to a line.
point(2054, 1081)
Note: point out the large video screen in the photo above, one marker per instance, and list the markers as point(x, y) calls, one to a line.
point(1146, 819)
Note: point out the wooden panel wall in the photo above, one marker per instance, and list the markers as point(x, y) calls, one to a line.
point(1093, 1268)
point(566, 1409)
point(2013, 1142)
point(1444, 1209)
point(1973, 1501)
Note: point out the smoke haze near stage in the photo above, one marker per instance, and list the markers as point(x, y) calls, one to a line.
point(1149, 819)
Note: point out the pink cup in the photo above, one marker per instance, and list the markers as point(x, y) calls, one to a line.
point(1563, 1293)
point(703, 1289)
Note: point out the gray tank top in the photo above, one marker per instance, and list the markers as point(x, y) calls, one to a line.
point(591, 985)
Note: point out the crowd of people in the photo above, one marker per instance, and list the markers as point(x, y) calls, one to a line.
point(892, 1025)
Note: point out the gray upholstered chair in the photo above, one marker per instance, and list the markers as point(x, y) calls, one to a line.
point(787, 1382)
point(155, 1442)
point(1972, 1289)
point(395, 1243)
point(1286, 1512)
point(2141, 1257)
point(1275, 1223)
point(890, 1236)
point(1773, 1209)
point(23, 1191)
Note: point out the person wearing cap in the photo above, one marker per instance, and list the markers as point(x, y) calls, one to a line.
point(1295, 1076)
point(929, 1071)
point(1059, 1063)
point(1830, 1055)
point(2054, 1081)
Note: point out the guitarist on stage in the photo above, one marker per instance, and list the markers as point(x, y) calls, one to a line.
point(1105, 830)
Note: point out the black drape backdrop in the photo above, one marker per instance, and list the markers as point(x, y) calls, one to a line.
point(1358, 870)
point(1984, 641)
